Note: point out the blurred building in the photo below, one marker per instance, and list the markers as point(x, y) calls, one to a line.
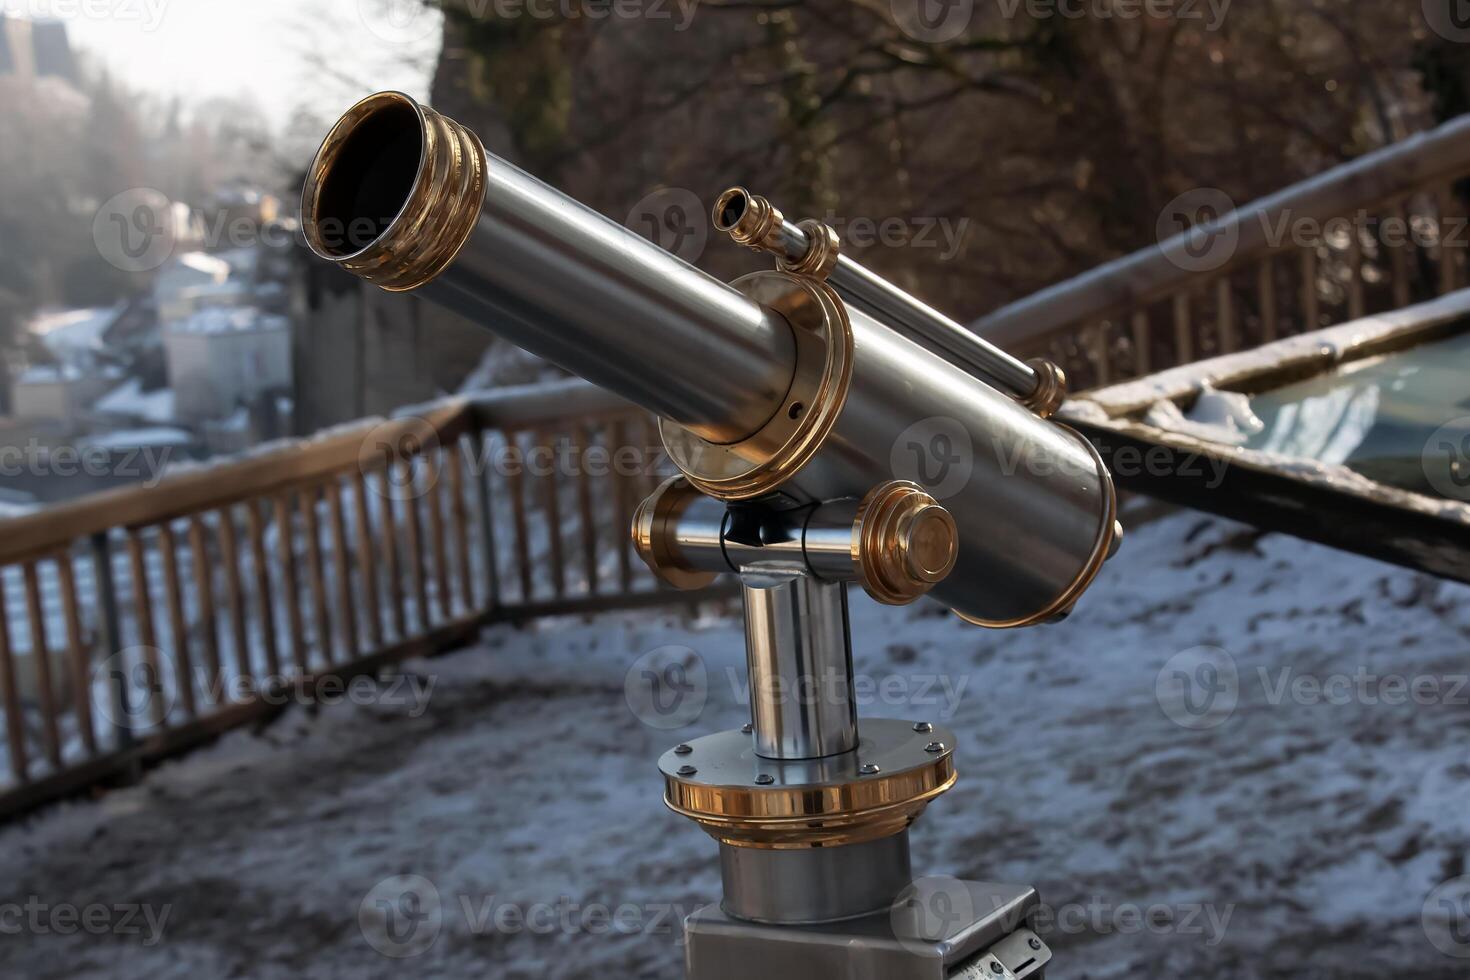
point(57, 391)
point(220, 359)
point(186, 281)
point(362, 351)
point(36, 49)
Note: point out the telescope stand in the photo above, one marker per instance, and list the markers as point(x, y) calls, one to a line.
point(813, 816)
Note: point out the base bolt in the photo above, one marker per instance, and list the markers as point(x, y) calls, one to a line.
point(687, 770)
point(934, 747)
point(765, 779)
point(868, 769)
point(682, 749)
point(923, 726)
point(747, 728)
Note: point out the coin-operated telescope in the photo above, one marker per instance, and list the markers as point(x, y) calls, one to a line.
point(829, 429)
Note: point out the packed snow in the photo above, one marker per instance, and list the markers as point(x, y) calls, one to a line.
point(1287, 823)
point(130, 400)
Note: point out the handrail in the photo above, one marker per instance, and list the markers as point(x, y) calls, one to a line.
point(1426, 161)
point(275, 467)
point(307, 560)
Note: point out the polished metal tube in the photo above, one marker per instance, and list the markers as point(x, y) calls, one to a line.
point(410, 200)
point(814, 884)
point(877, 296)
point(707, 537)
point(799, 652)
point(1032, 502)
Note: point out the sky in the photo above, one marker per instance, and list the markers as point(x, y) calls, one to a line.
point(260, 49)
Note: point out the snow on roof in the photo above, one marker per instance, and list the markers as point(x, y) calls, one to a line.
point(242, 261)
point(158, 435)
point(50, 374)
point(130, 399)
point(203, 262)
point(220, 319)
point(190, 269)
point(65, 331)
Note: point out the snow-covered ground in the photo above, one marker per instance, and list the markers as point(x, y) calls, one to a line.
point(1146, 761)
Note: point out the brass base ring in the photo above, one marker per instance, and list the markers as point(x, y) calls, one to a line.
point(875, 791)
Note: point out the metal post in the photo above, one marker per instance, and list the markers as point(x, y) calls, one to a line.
point(799, 651)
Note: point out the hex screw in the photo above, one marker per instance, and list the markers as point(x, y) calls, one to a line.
point(687, 770)
point(764, 779)
point(682, 749)
point(995, 967)
point(869, 769)
point(934, 747)
point(923, 726)
point(1034, 943)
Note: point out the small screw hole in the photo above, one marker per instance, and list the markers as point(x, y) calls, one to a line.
point(796, 409)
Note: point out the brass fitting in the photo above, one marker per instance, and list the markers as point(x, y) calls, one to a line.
point(749, 220)
point(903, 542)
point(653, 534)
point(823, 248)
point(1051, 388)
point(753, 221)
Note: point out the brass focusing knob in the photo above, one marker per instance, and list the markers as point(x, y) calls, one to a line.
point(654, 538)
point(904, 543)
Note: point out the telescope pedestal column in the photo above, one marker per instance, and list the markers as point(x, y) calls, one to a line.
point(814, 844)
point(811, 808)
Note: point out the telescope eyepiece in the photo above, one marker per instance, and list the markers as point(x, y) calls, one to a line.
point(394, 192)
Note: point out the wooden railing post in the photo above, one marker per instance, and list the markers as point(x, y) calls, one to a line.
point(109, 634)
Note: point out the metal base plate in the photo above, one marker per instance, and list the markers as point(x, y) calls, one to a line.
point(939, 929)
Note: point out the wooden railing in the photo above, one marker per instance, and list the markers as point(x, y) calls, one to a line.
point(1378, 233)
point(140, 621)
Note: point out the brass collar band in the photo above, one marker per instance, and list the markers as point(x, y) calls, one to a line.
point(823, 248)
point(763, 462)
point(435, 219)
point(876, 791)
point(1051, 388)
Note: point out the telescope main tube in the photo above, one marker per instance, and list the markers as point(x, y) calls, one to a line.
point(408, 199)
point(772, 389)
